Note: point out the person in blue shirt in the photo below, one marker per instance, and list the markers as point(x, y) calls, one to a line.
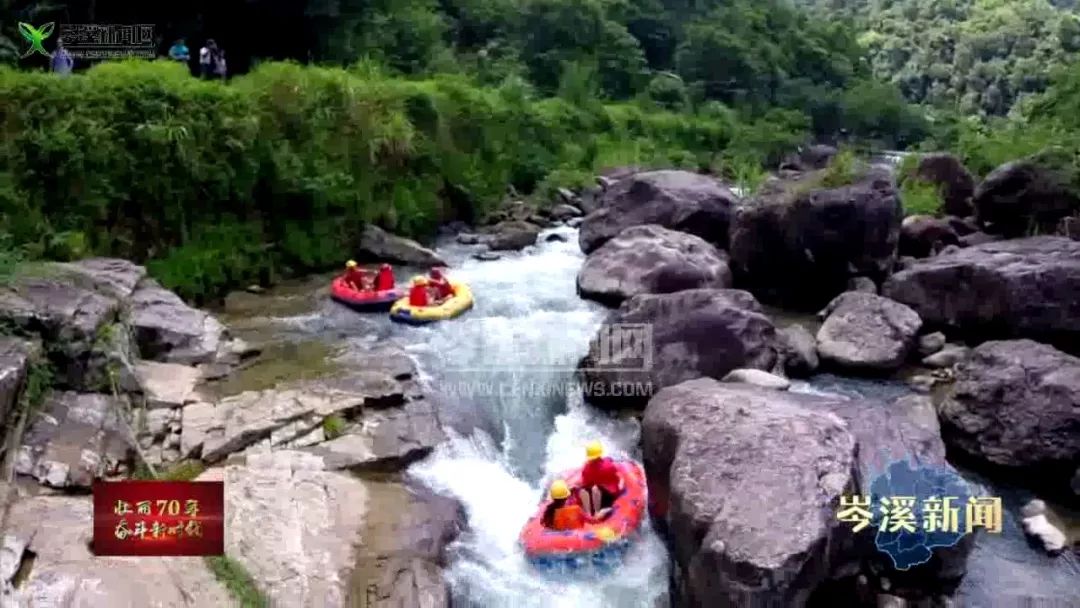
point(179, 51)
point(61, 60)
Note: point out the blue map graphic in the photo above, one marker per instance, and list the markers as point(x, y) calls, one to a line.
point(908, 549)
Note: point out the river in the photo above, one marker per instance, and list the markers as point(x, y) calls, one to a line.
point(503, 374)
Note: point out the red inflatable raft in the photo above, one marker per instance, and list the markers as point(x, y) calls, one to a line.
point(597, 544)
point(363, 300)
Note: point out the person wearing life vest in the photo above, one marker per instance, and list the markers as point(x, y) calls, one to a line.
point(443, 288)
point(418, 293)
point(563, 513)
point(601, 483)
point(355, 276)
point(385, 279)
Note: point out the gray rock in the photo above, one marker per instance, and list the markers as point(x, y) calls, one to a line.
point(486, 256)
point(65, 573)
point(651, 259)
point(111, 277)
point(798, 247)
point(1052, 539)
point(922, 236)
point(931, 343)
point(685, 335)
point(1033, 508)
point(863, 284)
point(703, 444)
point(953, 180)
point(1016, 403)
point(809, 158)
point(16, 355)
point(757, 377)
point(678, 200)
point(565, 212)
point(1038, 190)
point(74, 440)
point(377, 244)
point(466, 238)
point(948, 356)
point(1021, 288)
point(979, 238)
point(512, 236)
point(168, 330)
point(575, 222)
point(867, 332)
point(556, 237)
point(166, 385)
point(387, 440)
point(798, 350)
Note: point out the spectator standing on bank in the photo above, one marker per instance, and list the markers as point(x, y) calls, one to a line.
point(221, 69)
point(207, 59)
point(62, 62)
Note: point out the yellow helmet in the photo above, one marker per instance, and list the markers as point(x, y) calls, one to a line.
point(419, 281)
point(559, 490)
point(350, 264)
point(594, 450)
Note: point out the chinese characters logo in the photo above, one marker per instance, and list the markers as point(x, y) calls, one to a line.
point(159, 518)
point(915, 509)
point(36, 36)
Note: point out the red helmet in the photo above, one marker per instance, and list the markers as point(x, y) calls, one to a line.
point(436, 273)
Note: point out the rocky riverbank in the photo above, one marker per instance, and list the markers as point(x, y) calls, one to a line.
point(987, 313)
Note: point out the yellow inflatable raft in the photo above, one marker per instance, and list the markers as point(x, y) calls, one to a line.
point(461, 301)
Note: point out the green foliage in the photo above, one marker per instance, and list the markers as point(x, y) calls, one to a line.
point(920, 198)
point(979, 57)
point(333, 426)
point(668, 91)
point(842, 170)
point(186, 470)
point(237, 580)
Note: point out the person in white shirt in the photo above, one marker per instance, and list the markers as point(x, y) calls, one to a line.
point(207, 59)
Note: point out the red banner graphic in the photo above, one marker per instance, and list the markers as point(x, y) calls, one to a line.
point(159, 518)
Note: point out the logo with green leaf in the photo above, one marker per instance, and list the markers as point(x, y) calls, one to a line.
point(35, 36)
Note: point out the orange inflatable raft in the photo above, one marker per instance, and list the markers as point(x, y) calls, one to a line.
point(363, 300)
point(601, 544)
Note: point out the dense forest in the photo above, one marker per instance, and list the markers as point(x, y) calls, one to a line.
point(408, 113)
point(973, 56)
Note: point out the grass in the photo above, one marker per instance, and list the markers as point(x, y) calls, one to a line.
point(237, 580)
point(920, 198)
point(844, 169)
point(333, 426)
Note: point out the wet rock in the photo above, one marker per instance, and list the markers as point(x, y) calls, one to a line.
point(1035, 191)
point(16, 355)
point(408, 529)
point(979, 238)
point(798, 349)
point(75, 439)
point(963, 226)
point(904, 262)
point(378, 245)
point(1038, 526)
point(953, 180)
point(1016, 403)
point(809, 158)
point(512, 236)
point(466, 238)
point(486, 256)
point(757, 377)
point(575, 222)
point(947, 357)
point(1069, 227)
point(280, 415)
point(704, 442)
point(922, 236)
point(1020, 288)
point(863, 284)
point(867, 332)
point(303, 550)
point(677, 200)
point(686, 335)
point(387, 440)
point(651, 259)
point(556, 237)
point(798, 247)
point(168, 330)
point(565, 212)
point(931, 343)
point(56, 530)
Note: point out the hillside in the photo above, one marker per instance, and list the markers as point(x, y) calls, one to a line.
point(975, 56)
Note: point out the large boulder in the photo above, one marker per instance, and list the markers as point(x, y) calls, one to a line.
point(810, 158)
point(76, 439)
point(1016, 403)
point(679, 200)
point(51, 535)
point(651, 259)
point(512, 235)
point(953, 180)
point(867, 332)
point(166, 329)
point(16, 356)
point(745, 480)
point(798, 351)
point(375, 244)
point(655, 341)
point(922, 236)
point(1035, 192)
point(798, 246)
point(1019, 288)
